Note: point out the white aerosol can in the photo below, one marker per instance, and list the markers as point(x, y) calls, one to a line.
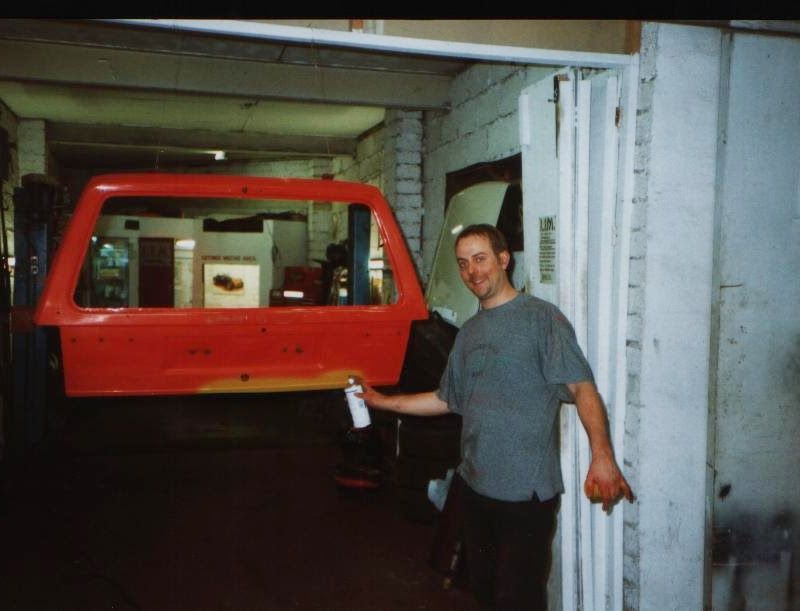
point(358, 409)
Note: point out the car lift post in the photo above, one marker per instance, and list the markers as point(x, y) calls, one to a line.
point(34, 205)
point(358, 279)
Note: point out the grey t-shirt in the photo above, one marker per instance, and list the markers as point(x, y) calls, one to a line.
point(506, 377)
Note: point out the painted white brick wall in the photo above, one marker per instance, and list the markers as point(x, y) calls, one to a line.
point(320, 217)
point(390, 158)
point(367, 165)
point(301, 168)
point(402, 174)
point(669, 316)
point(635, 324)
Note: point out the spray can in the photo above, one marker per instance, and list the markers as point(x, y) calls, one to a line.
point(358, 409)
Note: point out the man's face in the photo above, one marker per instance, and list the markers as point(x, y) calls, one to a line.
point(483, 271)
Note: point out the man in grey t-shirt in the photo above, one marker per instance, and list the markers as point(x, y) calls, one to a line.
point(510, 367)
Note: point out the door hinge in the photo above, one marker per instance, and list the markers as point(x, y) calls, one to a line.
point(554, 99)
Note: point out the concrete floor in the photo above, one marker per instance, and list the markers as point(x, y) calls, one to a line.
point(207, 504)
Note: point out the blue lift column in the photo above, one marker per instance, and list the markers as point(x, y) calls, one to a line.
point(35, 204)
point(359, 231)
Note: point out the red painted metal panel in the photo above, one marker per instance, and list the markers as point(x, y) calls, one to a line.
point(149, 351)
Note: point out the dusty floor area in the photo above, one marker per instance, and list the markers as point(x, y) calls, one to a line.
point(209, 504)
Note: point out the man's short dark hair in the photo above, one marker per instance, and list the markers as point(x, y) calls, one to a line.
point(490, 232)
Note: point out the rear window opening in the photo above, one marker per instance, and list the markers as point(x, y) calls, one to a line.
point(187, 252)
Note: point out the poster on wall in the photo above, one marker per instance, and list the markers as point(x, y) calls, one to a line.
point(229, 285)
point(547, 249)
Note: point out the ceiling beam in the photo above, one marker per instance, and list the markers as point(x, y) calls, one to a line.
point(242, 142)
point(99, 33)
point(462, 51)
point(56, 63)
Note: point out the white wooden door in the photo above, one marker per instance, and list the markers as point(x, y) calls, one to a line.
point(569, 133)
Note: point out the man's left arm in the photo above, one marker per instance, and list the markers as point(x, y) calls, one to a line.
point(604, 480)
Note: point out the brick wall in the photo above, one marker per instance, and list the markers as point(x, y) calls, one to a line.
point(670, 295)
point(390, 158)
point(402, 175)
point(367, 165)
point(636, 278)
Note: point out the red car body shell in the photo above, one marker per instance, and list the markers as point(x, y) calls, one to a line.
point(169, 351)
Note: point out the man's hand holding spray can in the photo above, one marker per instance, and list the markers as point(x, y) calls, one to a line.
point(358, 409)
point(361, 448)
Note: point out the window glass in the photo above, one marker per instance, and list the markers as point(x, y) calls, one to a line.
point(175, 252)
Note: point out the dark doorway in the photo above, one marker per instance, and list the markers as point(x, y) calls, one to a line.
point(506, 170)
point(156, 272)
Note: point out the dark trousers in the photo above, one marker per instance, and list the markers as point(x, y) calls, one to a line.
point(508, 550)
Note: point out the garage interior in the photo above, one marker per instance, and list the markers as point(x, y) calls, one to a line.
point(216, 502)
point(230, 501)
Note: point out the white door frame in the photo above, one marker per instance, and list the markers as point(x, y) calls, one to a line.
point(579, 163)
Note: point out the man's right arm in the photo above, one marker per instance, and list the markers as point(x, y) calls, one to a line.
point(411, 404)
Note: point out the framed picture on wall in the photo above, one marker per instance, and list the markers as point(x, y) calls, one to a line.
point(230, 285)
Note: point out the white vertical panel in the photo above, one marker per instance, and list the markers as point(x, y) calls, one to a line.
point(606, 553)
point(616, 402)
point(609, 537)
point(605, 139)
point(579, 317)
point(539, 176)
point(572, 570)
point(546, 145)
point(595, 293)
